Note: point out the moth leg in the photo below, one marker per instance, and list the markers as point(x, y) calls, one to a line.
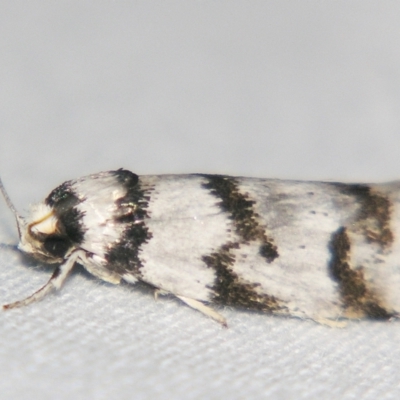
point(158, 292)
point(93, 265)
point(331, 323)
point(55, 282)
point(198, 305)
point(394, 317)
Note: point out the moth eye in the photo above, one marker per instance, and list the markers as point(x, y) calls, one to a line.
point(56, 246)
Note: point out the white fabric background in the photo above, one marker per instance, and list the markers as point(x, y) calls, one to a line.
point(288, 89)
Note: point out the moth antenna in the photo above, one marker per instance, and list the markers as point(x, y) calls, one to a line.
point(18, 218)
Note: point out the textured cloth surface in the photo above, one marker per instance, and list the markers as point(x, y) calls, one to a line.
point(285, 89)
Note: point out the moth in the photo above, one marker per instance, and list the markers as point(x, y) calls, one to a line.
point(314, 250)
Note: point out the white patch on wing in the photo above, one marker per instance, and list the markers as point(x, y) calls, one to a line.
point(186, 224)
point(300, 219)
point(98, 206)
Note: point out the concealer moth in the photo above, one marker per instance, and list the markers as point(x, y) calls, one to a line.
point(313, 250)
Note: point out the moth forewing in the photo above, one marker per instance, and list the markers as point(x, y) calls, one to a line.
point(315, 250)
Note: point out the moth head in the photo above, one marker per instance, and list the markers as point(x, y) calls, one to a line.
point(41, 234)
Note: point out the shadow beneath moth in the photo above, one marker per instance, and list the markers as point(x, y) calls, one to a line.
point(315, 250)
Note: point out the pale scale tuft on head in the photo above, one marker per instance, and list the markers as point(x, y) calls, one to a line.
point(42, 219)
